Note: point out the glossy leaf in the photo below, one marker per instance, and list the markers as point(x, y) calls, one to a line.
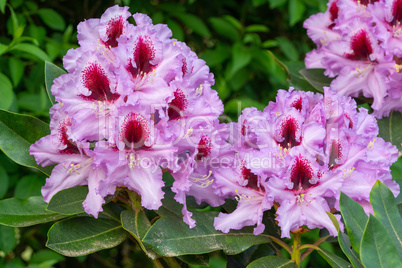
point(355, 219)
point(69, 201)
point(194, 23)
point(241, 56)
point(83, 235)
point(3, 6)
point(377, 249)
point(272, 262)
point(288, 48)
point(15, 140)
point(16, 70)
point(333, 260)
point(346, 247)
point(29, 185)
point(170, 236)
point(296, 10)
point(391, 128)
point(52, 71)
point(202, 259)
point(6, 92)
point(137, 224)
point(52, 19)
point(25, 212)
point(33, 50)
point(385, 210)
point(316, 78)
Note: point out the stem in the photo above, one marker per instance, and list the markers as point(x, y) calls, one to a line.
point(310, 249)
point(172, 262)
point(281, 243)
point(296, 250)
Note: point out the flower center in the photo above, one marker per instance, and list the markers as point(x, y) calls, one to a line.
point(396, 12)
point(204, 148)
point(252, 180)
point(71, 147)
point(297, 103)
point(144, 52)
point(134, 131)
point(288, 129)
point(114, 30)
point(301, 173)
point(94, 78)
point(178, 104)
point(365, 2)
point(361, 46)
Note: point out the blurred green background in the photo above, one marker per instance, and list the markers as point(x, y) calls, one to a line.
point(231, 36)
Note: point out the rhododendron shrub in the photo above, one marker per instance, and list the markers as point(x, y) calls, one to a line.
point(124, 108)
point(358, 44)
point(137, 148)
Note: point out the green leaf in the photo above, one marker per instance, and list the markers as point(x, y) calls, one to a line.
point(83, 235)
point(8, 239)
point(316, 78)
point(241, 56)
point(377, 249)
point(224, 28)
point(15, 140)
point(170, 236)
point(16, 67)
point(272, 262)
point(137, 224)
point(385, 210)
point(46, 255)
point(25, 212)
point(355, 219)
point(33, 50)
point(29, 185)
point(288, 48)
point(6, 92)
point(52, 19)
point(200, 260)
point(3, 6)
point(346, 247)
point(257, 28)
point(69, 201)
point(52, 71)
point(3, 48)
point(4, 181)
point(235, 106)
point(276, 3)
point(216, 56)
point(391, 128)
point(296, 10)
point(176, 29)
point(194, 23)
point(333, 260)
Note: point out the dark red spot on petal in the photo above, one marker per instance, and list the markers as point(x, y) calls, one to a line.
point(134, 131)
point(335, 153)
point(177, 105)
point(71, 147)
point(301, 173)
point(244, 128)
point(288, 128)
point(350, 120)
point(297, 103)
point(144, 52)
point(94, 78)
point(396, 12)
point(361, 46)
point(366, 2)
point(204, 148)
point(184, 66)
point(333, 12)
point(252, 179)
point(114, 29)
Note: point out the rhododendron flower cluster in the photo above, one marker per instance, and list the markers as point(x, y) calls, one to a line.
point(360, 44)
point(296, 156)
point(125, 109)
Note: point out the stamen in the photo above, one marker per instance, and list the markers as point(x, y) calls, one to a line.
point(204, 181)
point(371, 145)
point(348, 173)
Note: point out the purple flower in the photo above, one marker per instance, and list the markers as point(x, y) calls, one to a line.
point(306, 148)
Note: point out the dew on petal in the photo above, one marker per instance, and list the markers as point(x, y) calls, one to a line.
point(177, 105)
point(94, 78)
point(134, 131)
point(114, 29)
point(361, 46)
point(204, 148)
